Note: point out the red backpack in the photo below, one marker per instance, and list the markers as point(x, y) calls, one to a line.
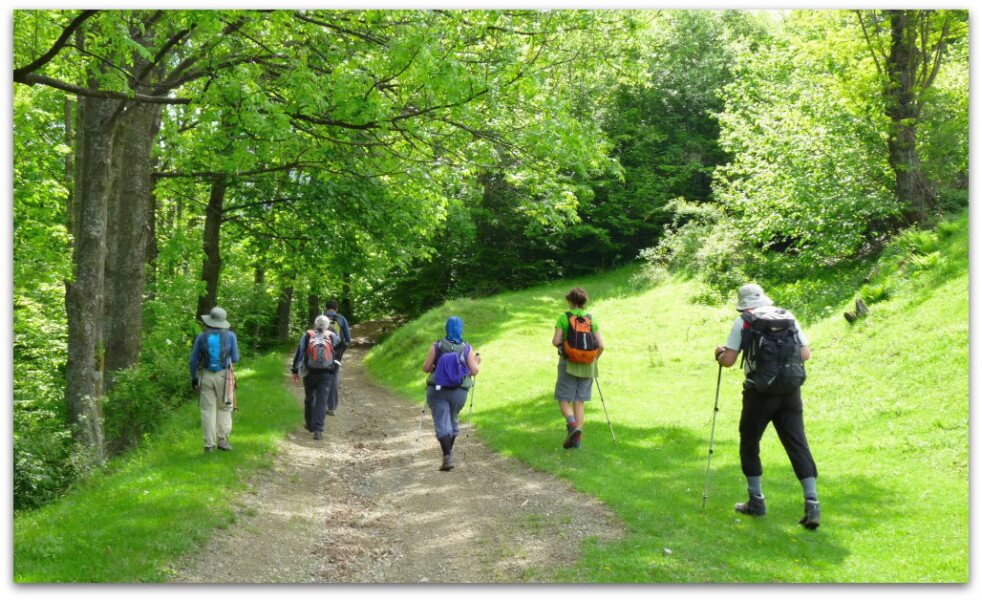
point(320, 350)
point(580, 345)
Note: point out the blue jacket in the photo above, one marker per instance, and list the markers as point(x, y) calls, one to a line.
point(200, 348)
point(345, 332)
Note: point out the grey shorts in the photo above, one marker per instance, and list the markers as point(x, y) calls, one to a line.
point(570, 388)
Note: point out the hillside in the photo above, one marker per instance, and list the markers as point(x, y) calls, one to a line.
point(886, 411)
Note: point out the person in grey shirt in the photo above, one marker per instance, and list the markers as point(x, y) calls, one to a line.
point(784, 410)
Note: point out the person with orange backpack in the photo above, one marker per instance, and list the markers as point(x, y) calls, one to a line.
point(578, 340)
point(316, 360)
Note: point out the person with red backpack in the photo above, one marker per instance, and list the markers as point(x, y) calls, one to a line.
point(774, 353)
point(578, 340)
point(316, 360)
point(450, 365)
point(214, 351)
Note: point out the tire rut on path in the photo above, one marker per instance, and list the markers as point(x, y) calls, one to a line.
point(368, 504)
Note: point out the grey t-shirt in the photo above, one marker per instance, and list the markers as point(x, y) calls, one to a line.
point(733, 340)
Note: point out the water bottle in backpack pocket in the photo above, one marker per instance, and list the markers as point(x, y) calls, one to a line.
point(450, 369)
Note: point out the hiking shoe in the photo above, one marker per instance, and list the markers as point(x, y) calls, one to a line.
point(812, 515)
point(576, 444)
point(447, 462)
point(571, 437)
point(224, 445)
point(330, 413)
point(209, 449)
point(318, 435)
point(754, 506)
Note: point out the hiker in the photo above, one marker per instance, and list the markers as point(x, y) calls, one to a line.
point(578, 340)
point(339, 325)
point(451, 366)
point(215, 350)
point(316, 360)
point(774, 351)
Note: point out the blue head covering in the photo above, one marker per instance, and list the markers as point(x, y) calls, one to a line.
point(455, 330)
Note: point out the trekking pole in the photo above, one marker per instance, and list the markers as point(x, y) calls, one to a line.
point(419, 429)
point(712, 435)
point(604, 404)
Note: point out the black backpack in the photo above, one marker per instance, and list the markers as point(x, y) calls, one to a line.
point(770, 346)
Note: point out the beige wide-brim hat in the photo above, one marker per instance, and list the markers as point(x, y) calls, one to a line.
point(752, 295)
point(217, 318)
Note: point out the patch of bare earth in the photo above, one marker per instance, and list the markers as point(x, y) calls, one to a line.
point(367, 504)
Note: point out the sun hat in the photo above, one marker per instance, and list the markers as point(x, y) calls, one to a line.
point(752, 295)
point(217, 318)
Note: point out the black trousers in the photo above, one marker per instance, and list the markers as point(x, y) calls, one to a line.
point(316, 387)
point(785, 411)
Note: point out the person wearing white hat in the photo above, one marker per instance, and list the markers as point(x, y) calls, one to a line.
point(215, 350)
point(765, 402)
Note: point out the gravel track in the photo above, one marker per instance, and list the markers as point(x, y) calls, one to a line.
point(367, 504)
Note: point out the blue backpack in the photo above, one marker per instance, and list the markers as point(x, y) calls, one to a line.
point(215, 351)
point(450, 370)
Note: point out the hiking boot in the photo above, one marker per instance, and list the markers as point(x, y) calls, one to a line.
point(754, 506)
point(209, 449)
point(224, 445)
point(812, 515)
point(571, 436)
point(576, 444)
point(447, 462)
point(318, 435)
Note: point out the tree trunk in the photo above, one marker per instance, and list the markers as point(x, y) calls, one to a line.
point(346, 305)
point(912, 189)
point(283, 314)
point(153, 250)
point(70, 118)
point(129, 229)
point(84, 296)
point(313, 305)
point(212, 267)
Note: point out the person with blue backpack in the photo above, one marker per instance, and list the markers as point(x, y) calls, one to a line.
point(450, 365)
point(215, 350)
point(317, 360)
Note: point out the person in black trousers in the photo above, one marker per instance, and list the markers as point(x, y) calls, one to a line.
point(317, 381)
point(759, 409)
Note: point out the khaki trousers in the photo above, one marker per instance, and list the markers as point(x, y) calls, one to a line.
point(216, 418)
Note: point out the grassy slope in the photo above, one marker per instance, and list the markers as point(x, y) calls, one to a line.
point(886, 411)
point(129, 522)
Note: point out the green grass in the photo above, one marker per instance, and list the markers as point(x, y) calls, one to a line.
point(886, 412)
point(130, 521)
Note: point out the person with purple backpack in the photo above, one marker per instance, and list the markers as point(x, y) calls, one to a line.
point(451, 365)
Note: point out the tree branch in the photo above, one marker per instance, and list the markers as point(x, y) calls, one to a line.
point(31, 79)
point(42, 60)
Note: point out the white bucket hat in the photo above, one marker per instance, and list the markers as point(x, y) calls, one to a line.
point(217, 318)
point(752, 295)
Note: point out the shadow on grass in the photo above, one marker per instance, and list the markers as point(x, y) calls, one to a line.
point(653, 479)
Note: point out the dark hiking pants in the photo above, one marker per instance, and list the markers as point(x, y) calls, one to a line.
point(332, 393)
point(316, 386)
point(785, 411)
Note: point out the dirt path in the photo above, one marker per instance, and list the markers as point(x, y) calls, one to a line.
point(367, 504)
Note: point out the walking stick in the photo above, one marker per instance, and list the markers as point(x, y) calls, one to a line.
point(712, 435)
point(604, 404)
point(419, 429)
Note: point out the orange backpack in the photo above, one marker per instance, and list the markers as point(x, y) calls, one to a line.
point(580, 345)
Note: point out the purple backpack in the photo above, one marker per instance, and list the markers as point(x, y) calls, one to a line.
point(451, 367)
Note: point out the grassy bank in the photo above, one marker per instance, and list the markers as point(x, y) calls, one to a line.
point(886, 411)
point(128, 523)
